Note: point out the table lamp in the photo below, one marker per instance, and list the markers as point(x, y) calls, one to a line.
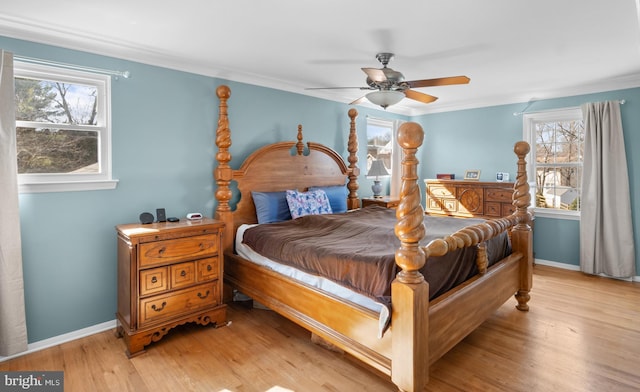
point(377, 170)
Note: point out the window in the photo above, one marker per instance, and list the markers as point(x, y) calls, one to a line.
point(555, 166)
point(379, 142)
point(63, 129)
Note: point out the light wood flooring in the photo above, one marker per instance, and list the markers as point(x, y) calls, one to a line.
point(581, 334)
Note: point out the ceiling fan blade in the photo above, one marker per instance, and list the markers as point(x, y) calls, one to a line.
point(418, 96)
point(438, 81)
point(337, 88)
point(359, 100)
point(375, 74)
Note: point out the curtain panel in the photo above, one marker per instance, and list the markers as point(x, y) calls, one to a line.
point(606, 229)
point(13, 329)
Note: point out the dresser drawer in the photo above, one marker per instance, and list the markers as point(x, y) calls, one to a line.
point(165, 306)
point(493, 209)
point(153, 281)
point(508, 209)
point(182, 274)
point(162, 252)
point(441, 191)
point(208, 269)
point(498, 194)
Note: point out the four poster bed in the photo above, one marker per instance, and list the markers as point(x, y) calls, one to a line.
point(422, 324)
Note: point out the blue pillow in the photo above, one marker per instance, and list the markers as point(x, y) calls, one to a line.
point(271, 206)
point(337, 196)
point(308, 203)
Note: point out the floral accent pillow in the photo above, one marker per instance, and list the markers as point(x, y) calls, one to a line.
point(313, 202)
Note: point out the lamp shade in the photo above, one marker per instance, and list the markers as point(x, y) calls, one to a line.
point(385, 98)
point(377, 169)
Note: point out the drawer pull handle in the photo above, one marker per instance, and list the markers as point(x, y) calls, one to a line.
point(154, 280)
point(161, 250)
point(202, 247)
point(203, 296)
point(154, 307)
point(209, 267)
point(183, 273)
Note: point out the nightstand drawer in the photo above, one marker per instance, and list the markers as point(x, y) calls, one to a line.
point(179, 249)
point(183, 274)
point(173, 304)
point(153, 281)
point(208, 269)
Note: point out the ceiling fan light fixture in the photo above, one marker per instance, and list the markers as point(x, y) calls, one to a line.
point(385, 98)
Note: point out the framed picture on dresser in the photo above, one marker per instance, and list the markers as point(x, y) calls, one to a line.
point(472, 175)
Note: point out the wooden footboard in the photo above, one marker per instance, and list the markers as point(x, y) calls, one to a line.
point(421, 331)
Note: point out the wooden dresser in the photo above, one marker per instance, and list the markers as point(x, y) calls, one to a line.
point(168, 274)
point(469, 198)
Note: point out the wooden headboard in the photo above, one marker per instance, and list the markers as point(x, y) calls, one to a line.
point(277, 167)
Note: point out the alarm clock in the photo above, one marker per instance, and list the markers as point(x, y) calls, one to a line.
point(194, 216)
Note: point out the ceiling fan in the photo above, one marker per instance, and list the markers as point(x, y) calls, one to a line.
point(389, 87)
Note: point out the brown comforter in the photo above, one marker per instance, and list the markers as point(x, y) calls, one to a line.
point(357, 249)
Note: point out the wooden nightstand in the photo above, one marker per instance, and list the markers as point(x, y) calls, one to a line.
point(168, 274)
point(384, 201)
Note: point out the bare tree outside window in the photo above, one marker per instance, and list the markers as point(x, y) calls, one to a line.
point(50, 136)
point(559, 148)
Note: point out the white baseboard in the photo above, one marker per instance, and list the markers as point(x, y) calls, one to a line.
point(577, 268)
point(558, 265)
point(67, 337)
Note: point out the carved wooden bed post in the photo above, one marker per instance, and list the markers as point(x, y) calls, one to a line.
point(410, 291)
point(354, 171)
point(223, 173)
point(521, 235)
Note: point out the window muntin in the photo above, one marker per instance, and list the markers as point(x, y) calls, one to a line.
point(555, 169)
point(63, 129)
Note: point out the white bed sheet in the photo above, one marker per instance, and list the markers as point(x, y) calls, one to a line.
point(312, 280)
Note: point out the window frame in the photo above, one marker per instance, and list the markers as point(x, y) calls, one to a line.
point(529, 135)
point(65, 182)
point(386, 124)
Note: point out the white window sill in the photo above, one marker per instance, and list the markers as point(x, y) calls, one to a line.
point(69, 186)
point(556, 214)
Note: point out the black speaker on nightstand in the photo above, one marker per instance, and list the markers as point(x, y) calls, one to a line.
point(146, 218)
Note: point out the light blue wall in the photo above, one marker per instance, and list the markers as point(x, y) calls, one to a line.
point(482, 139)
point(164, 125)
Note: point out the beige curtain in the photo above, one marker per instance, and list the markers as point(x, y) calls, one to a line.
point(13, 329)
point(606, 231)
point(396, 165)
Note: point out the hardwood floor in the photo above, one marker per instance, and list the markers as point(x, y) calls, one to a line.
point(581, 334)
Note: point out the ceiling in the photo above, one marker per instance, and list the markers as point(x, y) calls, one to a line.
point(513, 50)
